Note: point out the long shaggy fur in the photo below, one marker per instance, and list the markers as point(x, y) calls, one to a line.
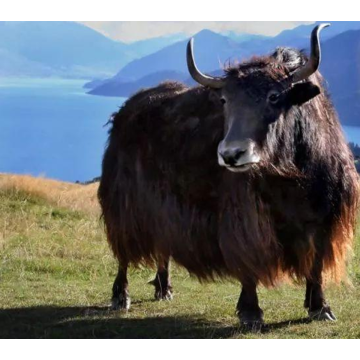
point(163, 193)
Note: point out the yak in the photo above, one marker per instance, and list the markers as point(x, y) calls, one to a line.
point(245, 176)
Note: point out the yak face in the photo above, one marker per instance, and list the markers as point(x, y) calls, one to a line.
point(256, 94)
point(251, 104)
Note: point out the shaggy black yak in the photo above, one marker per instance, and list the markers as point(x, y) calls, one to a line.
point(247, 176)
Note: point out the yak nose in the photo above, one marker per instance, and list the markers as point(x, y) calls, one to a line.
point(231, 156)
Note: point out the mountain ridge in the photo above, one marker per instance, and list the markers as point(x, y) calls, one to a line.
point(67, 49)
point(342, 73)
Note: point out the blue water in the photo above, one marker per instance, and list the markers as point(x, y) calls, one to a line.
point(352, 134)
point(52, 128)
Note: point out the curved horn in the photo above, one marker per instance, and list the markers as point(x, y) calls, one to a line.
point(196, 74)
point(315, 57)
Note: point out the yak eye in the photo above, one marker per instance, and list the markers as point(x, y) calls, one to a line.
point(273, 98)
point(223, 101)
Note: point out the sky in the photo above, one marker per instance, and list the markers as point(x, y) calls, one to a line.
point(128, 31)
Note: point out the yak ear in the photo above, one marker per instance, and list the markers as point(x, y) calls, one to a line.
point(302, 92)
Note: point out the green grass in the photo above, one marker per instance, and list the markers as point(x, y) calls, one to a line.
point(56, 274)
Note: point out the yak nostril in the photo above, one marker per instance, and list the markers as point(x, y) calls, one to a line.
point(231, 157)
point(238, 154)
point(228, 159)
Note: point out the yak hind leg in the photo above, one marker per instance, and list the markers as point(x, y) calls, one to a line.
point(315, 302)
point(120, 293)
point(250, 314)
point(162, 283)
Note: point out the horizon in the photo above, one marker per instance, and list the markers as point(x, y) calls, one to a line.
point(132, 31)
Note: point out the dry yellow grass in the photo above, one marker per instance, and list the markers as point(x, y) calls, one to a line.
point(63, 194)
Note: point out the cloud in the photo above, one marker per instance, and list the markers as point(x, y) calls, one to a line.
point(129, 31)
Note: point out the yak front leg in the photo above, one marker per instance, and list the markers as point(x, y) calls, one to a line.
point(120, 298)
point(315, 302)
point(248, 310)
point(163, 288)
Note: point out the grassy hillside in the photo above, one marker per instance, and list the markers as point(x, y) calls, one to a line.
point(56, 273)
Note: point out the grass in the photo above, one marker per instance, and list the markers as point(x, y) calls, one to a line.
point(56, 273)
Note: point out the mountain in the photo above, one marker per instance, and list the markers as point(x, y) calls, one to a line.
point(340, 63)
point(243, 37)
point(341, 69)
point(303, 31)
point(148, 46)
point(298, 37)
point(65, 49)
point(11, 64)
point(211, 50)
point(124, 89)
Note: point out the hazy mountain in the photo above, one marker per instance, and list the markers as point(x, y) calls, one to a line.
point(64, 48)
point(211, 50)
point(341, 69)
point(298, 37)
point(303, 31)
point(243, 37)
point(10, 63)
point(340, 63)
point(145, 47)
point(125, 89)
point(95, 83)
point(67, 49)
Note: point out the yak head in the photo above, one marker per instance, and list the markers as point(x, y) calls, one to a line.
point(256, 94)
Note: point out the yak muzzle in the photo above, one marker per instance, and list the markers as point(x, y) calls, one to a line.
point(237, 156)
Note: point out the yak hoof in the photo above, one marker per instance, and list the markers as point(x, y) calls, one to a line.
point(252, 321)
point(323, 314)
point(122, 302)
point(252, 325)
point(162, 292)
point(163, 295)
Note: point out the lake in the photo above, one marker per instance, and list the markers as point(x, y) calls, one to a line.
point(53, 128)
